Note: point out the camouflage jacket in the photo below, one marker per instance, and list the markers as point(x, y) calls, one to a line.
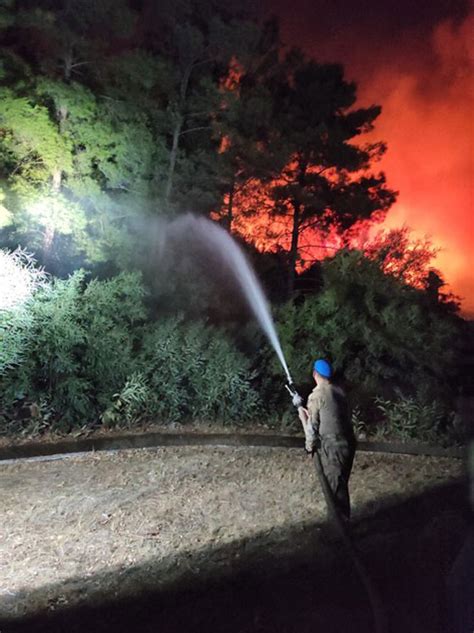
point(329, 412)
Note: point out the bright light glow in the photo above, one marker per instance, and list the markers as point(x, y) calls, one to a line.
point(19, 278)
point(43, 212)
point(55, 214)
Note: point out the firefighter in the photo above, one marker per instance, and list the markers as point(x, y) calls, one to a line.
point(327, 426)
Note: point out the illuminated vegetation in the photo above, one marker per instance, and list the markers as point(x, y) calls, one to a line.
point(112, 118)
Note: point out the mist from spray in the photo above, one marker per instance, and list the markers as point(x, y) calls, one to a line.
point(215, 238)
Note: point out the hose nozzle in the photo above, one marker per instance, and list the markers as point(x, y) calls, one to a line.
point(296, 399)
point(290, 387)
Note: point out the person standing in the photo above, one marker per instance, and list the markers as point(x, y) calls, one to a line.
point(327, 426)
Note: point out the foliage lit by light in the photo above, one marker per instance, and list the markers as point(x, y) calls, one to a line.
point(19, 278)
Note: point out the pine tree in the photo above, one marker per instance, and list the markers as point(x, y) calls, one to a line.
point(196, 42)
point(245, 123)
point(326, 183)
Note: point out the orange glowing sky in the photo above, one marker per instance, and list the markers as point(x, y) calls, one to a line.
point(418, 63)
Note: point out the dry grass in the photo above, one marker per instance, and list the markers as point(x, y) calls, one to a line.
point(64, 521)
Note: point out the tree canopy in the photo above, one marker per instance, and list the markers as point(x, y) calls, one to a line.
point(113, 113)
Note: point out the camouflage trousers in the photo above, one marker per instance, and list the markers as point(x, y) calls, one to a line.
point(337, 455)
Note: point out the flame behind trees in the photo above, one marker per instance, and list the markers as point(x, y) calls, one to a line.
point(324, 184)
point(248, 151)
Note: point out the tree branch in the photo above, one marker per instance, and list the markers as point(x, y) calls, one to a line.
point(195, 129)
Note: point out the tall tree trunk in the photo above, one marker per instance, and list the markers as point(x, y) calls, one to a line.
point(48, 239)
point(173, 158)
point(179, 122)
point(50, 231)
point(56, 184)
point(230, 208)
point(295, 231)
point(68, 60)
point(293, 253)
point(57, 180)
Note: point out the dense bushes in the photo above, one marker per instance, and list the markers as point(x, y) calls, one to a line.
point(186, 371)
point(195, 371)
point(20, 279)
point(411, 419)
point(78, 348)
point(84, 352)
point(381, 335)
point(88, 351)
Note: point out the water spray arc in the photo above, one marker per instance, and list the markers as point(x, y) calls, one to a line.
point(250, 287)
point(217, 239)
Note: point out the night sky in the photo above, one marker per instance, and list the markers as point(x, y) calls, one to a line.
point(416, 59)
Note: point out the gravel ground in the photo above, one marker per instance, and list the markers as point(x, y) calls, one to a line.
point(66, 524)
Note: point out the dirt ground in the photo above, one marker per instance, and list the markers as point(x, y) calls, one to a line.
point(79, 526)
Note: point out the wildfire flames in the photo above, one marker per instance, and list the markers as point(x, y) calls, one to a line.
point(427, 122)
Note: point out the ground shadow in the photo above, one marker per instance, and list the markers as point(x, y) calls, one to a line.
point(301, 581)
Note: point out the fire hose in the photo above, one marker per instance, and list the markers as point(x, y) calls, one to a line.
point(343, 529)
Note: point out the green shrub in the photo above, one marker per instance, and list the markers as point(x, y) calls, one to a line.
point(358, 423)
point(408, 418)
point(112, 315)
point(195, 372)
point(79, 349)
point(131, 405)
point(20, 280)
point(87, 354)
point(381, 335)
point(374, 329)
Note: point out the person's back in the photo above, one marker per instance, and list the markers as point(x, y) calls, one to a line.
point(328, 404)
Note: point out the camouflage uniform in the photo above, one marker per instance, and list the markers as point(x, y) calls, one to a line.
point(329, 417)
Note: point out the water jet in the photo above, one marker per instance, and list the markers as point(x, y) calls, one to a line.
point(212, 236)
